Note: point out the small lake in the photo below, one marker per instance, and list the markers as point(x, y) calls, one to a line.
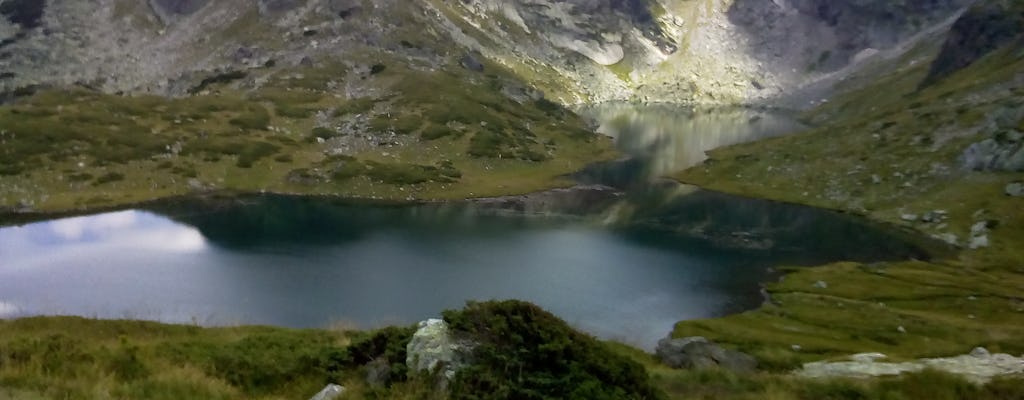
point(627, 267)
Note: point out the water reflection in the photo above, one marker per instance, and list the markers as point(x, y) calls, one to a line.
point(375, 266)
point(662, 139)
point(623, 266)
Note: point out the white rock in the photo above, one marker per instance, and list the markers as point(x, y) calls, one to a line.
point(978, 242)
point(867, 357)
point(433, 347)
point(978, 367)
point(330, 392)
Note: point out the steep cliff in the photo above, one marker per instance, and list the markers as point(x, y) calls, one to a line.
point(715, 51)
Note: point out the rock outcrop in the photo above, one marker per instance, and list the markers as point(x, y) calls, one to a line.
point(979, 366)
point(699, 353)
point(433, 348)
point(330, 392)
point(716, 51)
point(985, 27)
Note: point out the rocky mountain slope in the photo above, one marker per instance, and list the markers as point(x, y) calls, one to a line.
point(717, 51)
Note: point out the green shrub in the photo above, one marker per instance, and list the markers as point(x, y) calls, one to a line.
point(404, 174)
point(127, 366)
point(253, 152)
point(433, 132)
point(355, 106)
point(525, 352)
point(80, 177)
point(296, 112)
point(109, 177)
point(387, 343)
point(402, 125)
point(256, 117)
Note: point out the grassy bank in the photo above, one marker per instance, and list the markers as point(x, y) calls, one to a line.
point(447, 134)
point(890, 151)
point(76, 358)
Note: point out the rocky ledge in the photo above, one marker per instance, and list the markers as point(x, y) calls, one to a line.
point(979, 366)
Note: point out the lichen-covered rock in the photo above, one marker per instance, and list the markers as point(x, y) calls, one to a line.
point(995, 154)
point(1015, 189)
point(699, 353)
point(330, 392)
point(434, 348)
point(979, 366)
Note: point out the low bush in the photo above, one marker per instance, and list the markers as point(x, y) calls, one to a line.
point(525, 352)
point(252, 152)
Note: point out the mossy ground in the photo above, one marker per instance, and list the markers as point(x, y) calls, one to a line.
point(885, 151)
point(58, 145)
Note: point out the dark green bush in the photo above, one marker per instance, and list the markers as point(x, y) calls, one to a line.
point(262, 363)
point(127, 366)
point(434, 132)
point(525, 352)
point(387, 343)
point(253, 152)
point(296, 112)
point(109, 177)
point(404, 174)
point(256, 117)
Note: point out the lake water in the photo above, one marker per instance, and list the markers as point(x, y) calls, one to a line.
point(677, 254)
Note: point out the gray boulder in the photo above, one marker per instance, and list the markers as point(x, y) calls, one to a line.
point(330, 392)
point(378, 372)
point(699, 353)
point(1015, 189)
point(470, 62)
point(434, 348)
point(1004, 152)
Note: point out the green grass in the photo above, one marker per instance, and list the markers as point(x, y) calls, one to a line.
point(66, 357)
point(909, 140)
point(493, 146)
point(78, 358)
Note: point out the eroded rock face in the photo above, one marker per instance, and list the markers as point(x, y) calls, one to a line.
point(985, 27)
point(699, 353)
point(433, 348)
point(26, 13)
point(825, 35)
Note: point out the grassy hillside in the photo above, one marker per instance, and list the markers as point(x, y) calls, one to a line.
point(892, 151)
point(411, 135)
point(76, 358)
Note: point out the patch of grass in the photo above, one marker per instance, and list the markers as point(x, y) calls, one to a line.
point(255, 117)
point(253, 152)
point(355, 106)
point(108, 178)
point(882, 151)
